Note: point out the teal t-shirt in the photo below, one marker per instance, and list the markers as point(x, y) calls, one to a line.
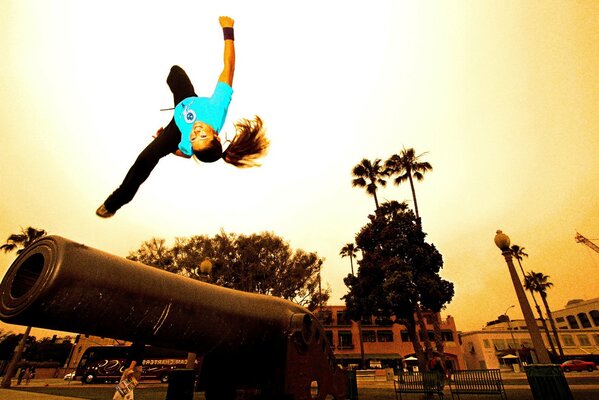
point(210, 110)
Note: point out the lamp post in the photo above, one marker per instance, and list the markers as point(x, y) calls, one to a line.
point(509, 327)
point(205, 268)
point(503, 242)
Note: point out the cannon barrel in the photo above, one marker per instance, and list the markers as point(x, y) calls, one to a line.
point(63, 285)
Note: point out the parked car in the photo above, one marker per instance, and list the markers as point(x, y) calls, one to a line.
point(69, 376)
point(578, 365)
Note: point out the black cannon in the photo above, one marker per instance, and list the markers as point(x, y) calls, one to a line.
point(250, 343)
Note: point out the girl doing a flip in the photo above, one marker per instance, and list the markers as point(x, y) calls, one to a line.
point(194, 129)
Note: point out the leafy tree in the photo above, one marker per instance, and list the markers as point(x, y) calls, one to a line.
point(260, 263)
point(438, 293)
point(369, 175)
point(519, 254)
point(154, 252)
point(539, 282)
point(8, 344)
point(48, 350)
point(396, 271)
point(19, 242)
point(407, 166)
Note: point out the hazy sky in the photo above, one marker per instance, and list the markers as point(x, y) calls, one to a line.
point(503, 95)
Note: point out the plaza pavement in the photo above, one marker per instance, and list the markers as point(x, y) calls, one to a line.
point(516, 386)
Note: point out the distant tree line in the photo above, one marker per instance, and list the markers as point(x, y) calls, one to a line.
point(51, 352)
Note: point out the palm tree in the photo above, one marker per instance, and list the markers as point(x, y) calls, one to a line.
point(349, 250)
point(539, 282)
point(369, 175)
point(19, 242)
point(518, 253)
point(407, 166)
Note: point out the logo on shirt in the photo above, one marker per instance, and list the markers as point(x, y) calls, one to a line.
point(190, 116)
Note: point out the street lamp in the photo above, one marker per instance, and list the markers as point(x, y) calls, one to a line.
point(205, 268)
point(503, 242)
point(509, 327)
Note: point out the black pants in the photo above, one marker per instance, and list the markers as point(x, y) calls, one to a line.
point(164, 144)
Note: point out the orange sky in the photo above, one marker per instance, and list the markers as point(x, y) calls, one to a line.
point(502, 95)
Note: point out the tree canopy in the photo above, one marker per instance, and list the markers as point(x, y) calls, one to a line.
point(398, 271)
point(260, 263)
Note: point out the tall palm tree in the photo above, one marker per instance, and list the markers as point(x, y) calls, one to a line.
point(539, 282)
point(370, 175)
point(349, 250)
point(407, 166)
point(19, 242)
point(519, 254)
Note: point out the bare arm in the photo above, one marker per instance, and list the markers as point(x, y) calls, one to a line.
point(226, 75)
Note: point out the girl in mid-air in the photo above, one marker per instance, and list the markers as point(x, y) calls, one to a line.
point(194, 129)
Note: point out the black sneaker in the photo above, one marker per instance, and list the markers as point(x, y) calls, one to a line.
point(103, 212)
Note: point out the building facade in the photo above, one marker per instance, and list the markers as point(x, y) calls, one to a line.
point(578, 314)
point(386, 344)
point(503, 343)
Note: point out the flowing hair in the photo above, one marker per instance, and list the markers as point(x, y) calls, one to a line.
point(249, 144)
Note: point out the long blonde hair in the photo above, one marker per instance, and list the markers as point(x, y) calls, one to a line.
point(249, 144)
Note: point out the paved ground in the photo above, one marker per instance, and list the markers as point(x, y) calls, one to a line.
point(584, 386)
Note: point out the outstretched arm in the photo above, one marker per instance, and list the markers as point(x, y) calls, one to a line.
point(226, 75)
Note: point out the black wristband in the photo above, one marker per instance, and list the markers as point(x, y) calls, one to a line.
point(228, 33)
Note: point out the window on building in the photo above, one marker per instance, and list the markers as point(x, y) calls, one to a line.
point(583, 340)
point(405, 336)
point(367, 321)
point(595, 317)
point(559, 319)
point(368, 336)
point(383, 321)
point(325, 317)
point(568, 340)
point(584, 320)
point(343, 318)
point(345, 340)
point(486, 343)
point(329, 336)
point(572, 322)
point(447, 336)
point(385, 335)
point(596, 338)
point(499, 344)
